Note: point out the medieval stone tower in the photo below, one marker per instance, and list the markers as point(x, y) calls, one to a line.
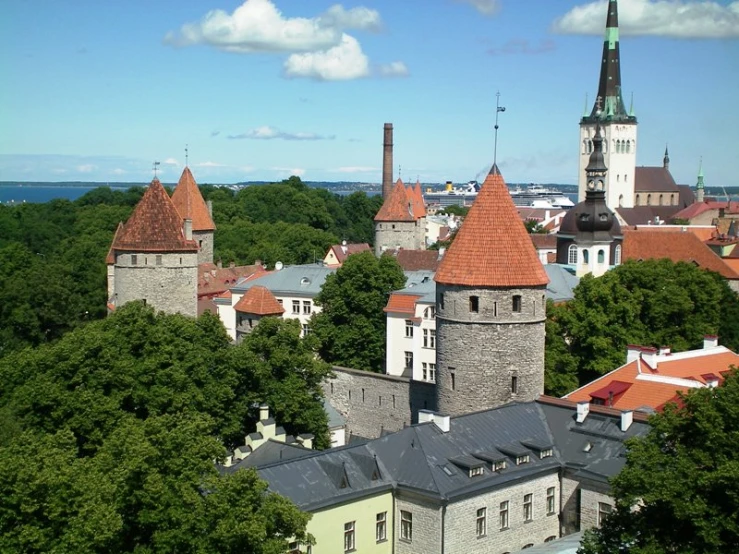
point(154, 257)
point(190, 205)
point(490, 309)
point(590, 238)
point(401, 221)
point(619, 125)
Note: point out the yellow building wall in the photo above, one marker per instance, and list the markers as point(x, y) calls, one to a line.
point(327, 526)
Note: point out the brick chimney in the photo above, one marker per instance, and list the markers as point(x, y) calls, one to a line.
point(387, 161)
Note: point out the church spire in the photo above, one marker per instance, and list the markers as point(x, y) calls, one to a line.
point(609, 86)
point(666, 159)
point(700, 185)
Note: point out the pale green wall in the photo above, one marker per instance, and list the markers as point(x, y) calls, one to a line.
point(327, 526)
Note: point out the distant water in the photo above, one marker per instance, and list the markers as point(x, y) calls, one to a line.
point(18, 194)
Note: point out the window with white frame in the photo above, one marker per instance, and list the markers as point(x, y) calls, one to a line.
point(429, 313)
point(432, 372)
point(406, 525)
point(409, 360)
point(481, 525)
point(429, 338)
point(528, 507)
point(306, 329)
point(503, 515)
point(522, 459)
point(546, 453)
point(349, 536)
point(572, 254)
point(500, 465)
point(306, 307)
point(476, 471)
point(617, 255)
point(425, 371)
point(381, 527)
point(296, 306)
point(408, 328)
point(550, 501)
point(603, 510)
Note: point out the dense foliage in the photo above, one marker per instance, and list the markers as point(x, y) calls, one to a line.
point(52, 255)
point(351, 327)
point(108, 436)
point(679, 490)
point(650, 303)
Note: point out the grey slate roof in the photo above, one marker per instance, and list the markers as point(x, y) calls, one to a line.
point(565, 545)
point(293, 280)
point(430, 462)
point(561, 284)
point(270, 452)
point(335, 419)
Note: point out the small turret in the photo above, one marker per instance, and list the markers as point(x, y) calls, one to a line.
point(666, 159)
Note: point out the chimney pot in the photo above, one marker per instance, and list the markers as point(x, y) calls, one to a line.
point(583, 408)
point(188, 229)
point(649, 355)
point(710, 341)
point(263, 412)
point(633, 352)
point(627, 418)
point(442, 421)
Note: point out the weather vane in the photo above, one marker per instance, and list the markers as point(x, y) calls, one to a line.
point(186, 156)
point(155, 168)
point(498, 109)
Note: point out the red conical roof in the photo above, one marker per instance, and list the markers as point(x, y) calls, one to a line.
point(110, 258)
point(398, 206)
point(492, 248)
point(190, 204)
point(419, 207)
point(154, 226)
point(258, 300)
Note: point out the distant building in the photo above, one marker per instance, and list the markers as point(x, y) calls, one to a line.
point(257, 303)
point(416, 260)
point(652, 377)
point(338, 253)
point(401, 221)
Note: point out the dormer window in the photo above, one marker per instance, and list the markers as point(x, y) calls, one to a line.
point(546, 453)
point(500, 465)
point(523, 459)
point(476, 471)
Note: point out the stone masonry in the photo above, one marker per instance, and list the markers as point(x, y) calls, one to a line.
point(205, 246)
point(374, 403)
point(409, 235)
point(166, 281)
point(426, 529)
point(485, 349)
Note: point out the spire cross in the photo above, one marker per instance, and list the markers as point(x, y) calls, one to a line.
point(155, 168)
point(186, 156)
point(498, 109)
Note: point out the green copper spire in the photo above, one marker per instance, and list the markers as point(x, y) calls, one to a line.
point(631, 107)
point(585, 111)
point(700, 184)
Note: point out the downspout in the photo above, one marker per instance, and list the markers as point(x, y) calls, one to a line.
point(395, 533)
point(443, 524)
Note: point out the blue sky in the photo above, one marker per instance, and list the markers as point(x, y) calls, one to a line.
point(262, 89)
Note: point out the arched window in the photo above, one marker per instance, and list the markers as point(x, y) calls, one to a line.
point(628, 146)
point(585, 257)
point(572, 255)
point(621, 199)
point(601, 256)
point(661, 200)
point(618, 178)
point(638, 200)
point(672, 200)
point(626, 177)
point(617, 255)
point(649, 199)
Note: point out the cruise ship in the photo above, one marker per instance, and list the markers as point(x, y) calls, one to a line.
point(533, 196)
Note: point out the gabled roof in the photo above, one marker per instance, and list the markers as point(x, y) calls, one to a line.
point(416, 260)
point(402, 304)
point(492, 248)
point(654, 179)
point(677, 246)
point(636, 385)
point(258, 300)
point(647, 215)
point(214, 280)
point(419, 206)
point(190, 204)
point(343, 251)
point(155, 225)
point(110, 258)
point(698, 208)
point(398, 206)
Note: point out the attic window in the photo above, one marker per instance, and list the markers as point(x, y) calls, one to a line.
point(523, 459)
point(305, 281)
point(476, 471)
point(588, 447)
point(500, 465)
point(546, 453)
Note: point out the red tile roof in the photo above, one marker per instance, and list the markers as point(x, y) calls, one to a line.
point(398, 206)
point(110, 258)
point(190, 204)
point(214, 280)
point(401, 304)
point(542, 241)
point(636, 385)
point(154, 226)
point(343, 251)
point(492, 248)
point(419, 206)
point(415, 260)
point(258, 300)
point(678, 246)
point(698, 208)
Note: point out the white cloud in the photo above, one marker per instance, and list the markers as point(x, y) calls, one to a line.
point(667, 18)
point(86, 168)
point(210, 164)
point(288, 171)
point(171, 161)
point(394, 69)
point(258, 26)
point(118, 171)
point(342, 62)
point(485, 7)
point(266, 132)
point(354, 169)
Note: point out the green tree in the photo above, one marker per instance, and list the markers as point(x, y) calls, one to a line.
point(651, 303)
point(534, 227)
point(679, 490)
point(351, 327)
point(560, 366)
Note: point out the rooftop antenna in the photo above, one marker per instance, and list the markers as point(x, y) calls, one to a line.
point(155, 168)
point(498, 109)
point(186, 156)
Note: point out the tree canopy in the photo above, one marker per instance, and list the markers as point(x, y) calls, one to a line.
point(650, 303)
point(108, 436)
point(351, 326)
point(679, 490)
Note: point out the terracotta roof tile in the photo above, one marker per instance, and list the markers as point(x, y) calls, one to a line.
point(258, 300)
point(343, 251)
point(213, 280)
point(402, 304)
point(190, 204)
point(110, 258)
point(398, 206)
point(154, 226)
point(415, 260)
point(492, 248)
point(677, 246)
point(419, 206)
point(541, 240)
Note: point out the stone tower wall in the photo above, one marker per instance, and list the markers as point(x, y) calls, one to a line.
point(169, 286)
point(479, 354)
point(410, 235)
point(205, 242)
